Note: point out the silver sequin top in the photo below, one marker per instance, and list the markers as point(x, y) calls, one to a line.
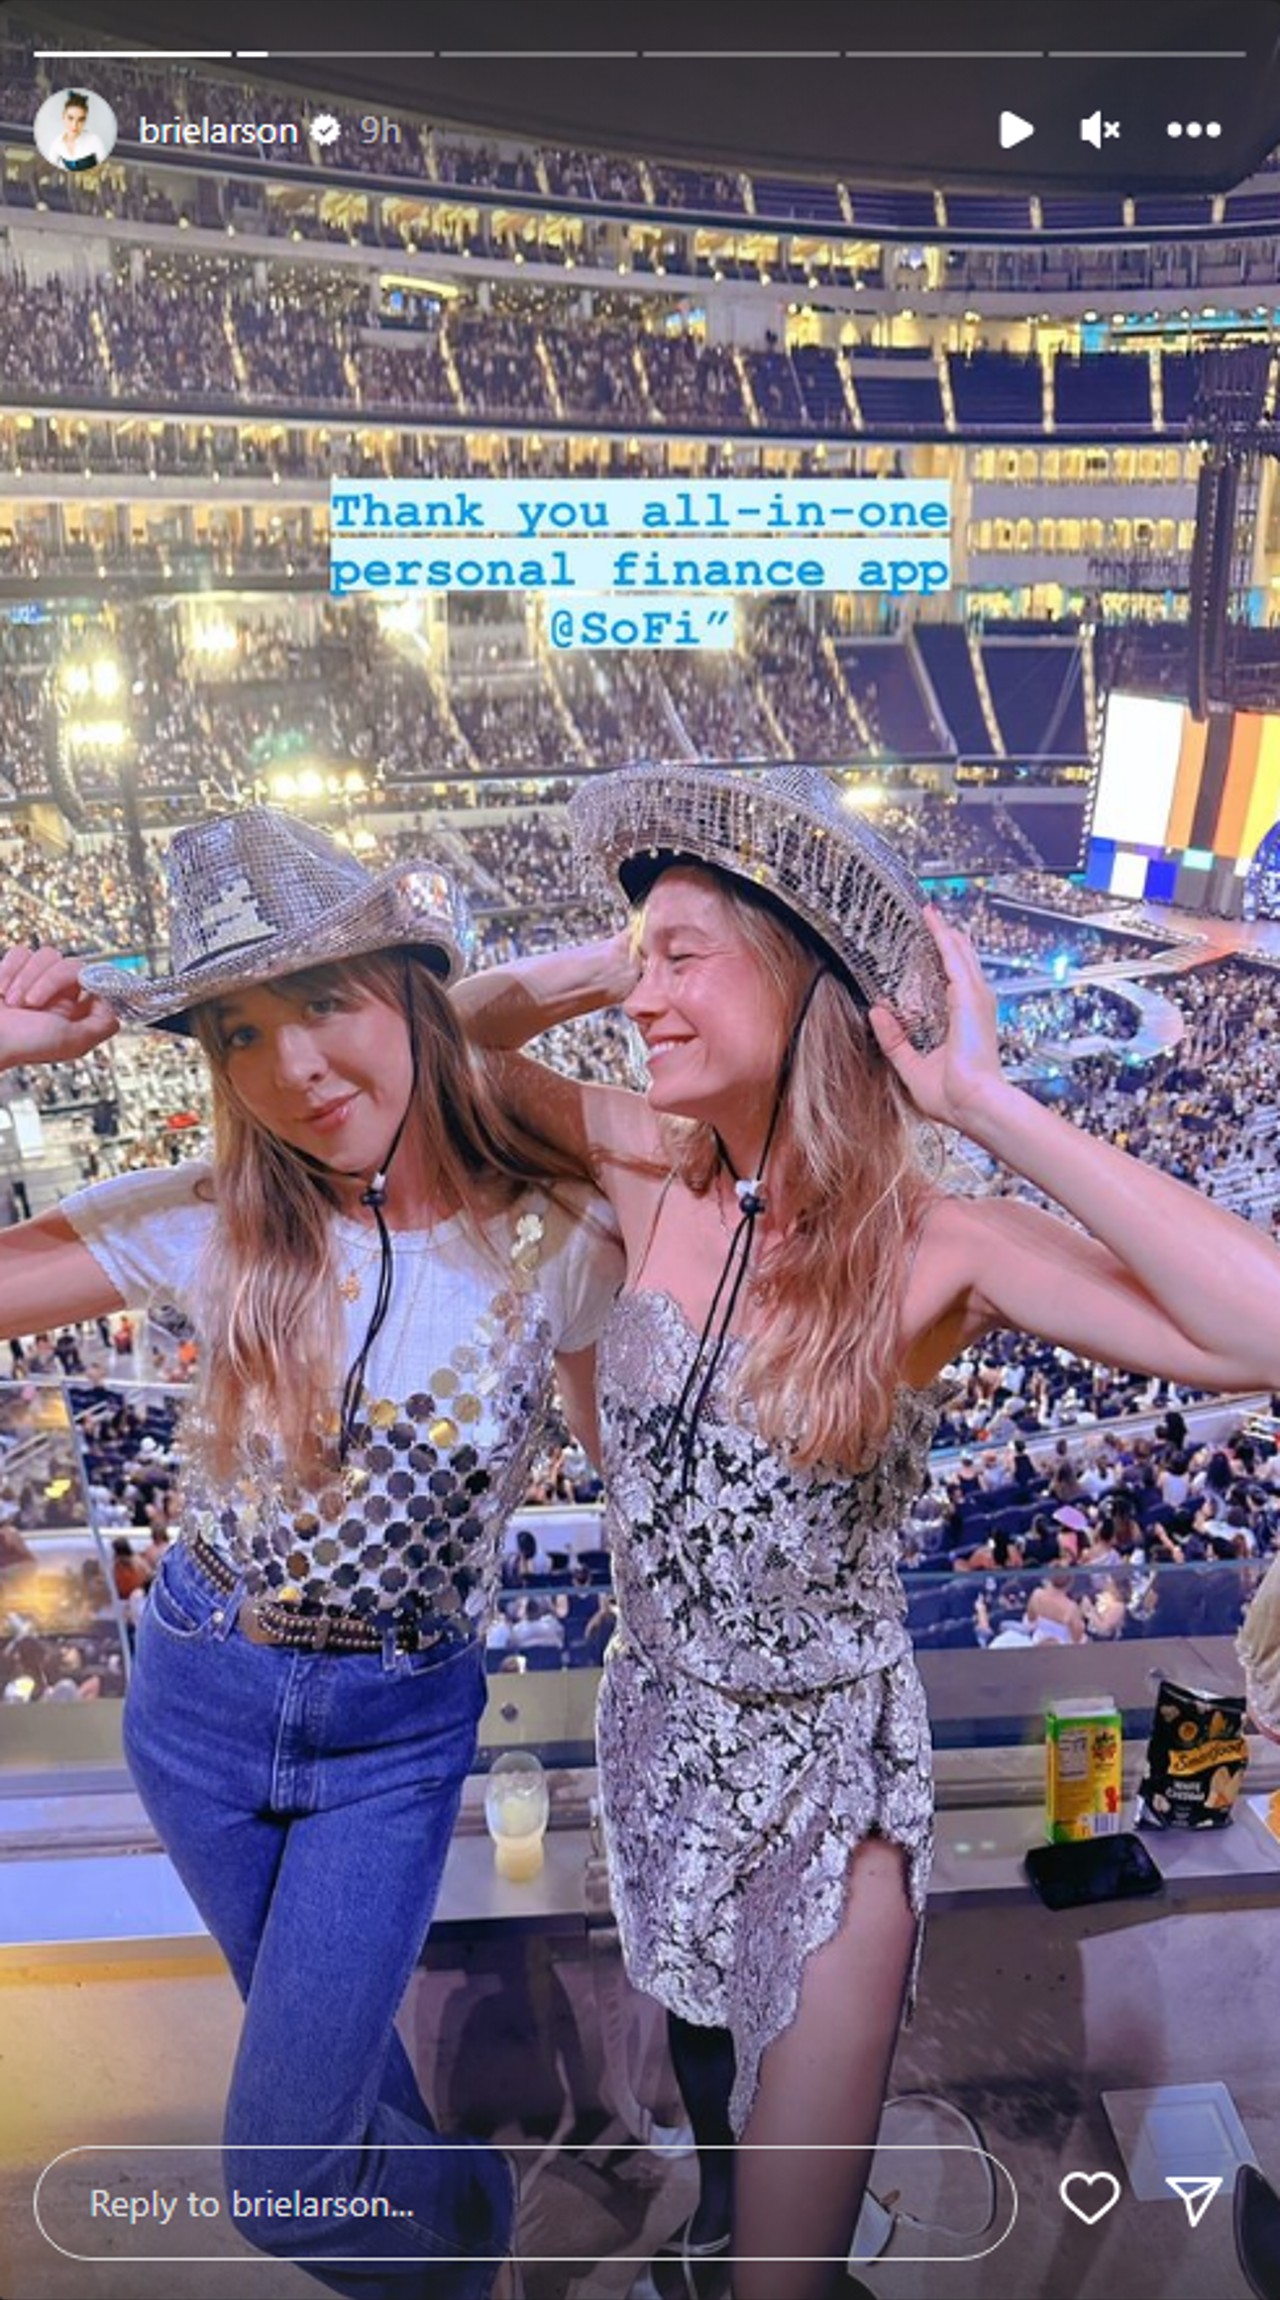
point(764, 1579)
point(457, 1390)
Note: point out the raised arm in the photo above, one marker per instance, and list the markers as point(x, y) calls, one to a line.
point(47, 1276)
point(503, 1007)
point(1167, 1282)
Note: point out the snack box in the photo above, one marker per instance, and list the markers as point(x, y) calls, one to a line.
point(1083, 1750)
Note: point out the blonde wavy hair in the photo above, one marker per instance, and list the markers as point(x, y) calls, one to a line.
point(272, 1340)
point(850, 1160)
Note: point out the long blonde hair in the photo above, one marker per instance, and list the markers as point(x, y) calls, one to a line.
point(848, 1164)
point(271, 1322)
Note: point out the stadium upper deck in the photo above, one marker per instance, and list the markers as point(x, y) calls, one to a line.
point(212, 331)
point(178, 385)
point(544, 176)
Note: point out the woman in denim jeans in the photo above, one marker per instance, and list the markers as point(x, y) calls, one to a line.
point(304, 1706)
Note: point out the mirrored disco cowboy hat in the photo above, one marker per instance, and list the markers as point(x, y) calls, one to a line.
point(789, 835)
point(257, 895)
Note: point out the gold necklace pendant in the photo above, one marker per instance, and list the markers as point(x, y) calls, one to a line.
point(351, 1283)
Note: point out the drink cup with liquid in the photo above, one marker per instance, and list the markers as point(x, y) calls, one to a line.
point(516, 1805)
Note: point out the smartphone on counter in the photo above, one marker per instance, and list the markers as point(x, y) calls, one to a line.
point(1077, 1876)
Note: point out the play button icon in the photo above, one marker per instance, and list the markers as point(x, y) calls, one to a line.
point(1014, 129)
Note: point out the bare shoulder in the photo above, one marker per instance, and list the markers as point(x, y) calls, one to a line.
point(594, 1123)
point(938, 1315)
point(959, 1231)
point(951, 1230)
point(620, 1124)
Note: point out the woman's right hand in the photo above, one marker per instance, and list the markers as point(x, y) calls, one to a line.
point(45, 1016)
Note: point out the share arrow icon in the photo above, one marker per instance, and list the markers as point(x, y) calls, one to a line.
point(1197, 2195)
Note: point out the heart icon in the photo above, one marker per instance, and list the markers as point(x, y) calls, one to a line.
point(1095, 2193)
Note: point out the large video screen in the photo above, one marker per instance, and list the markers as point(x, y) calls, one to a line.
point(1139, 770)
point(1182, 805)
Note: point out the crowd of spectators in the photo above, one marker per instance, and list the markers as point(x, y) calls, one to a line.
point(938, 834)
point(522, 864)
point(806, 688)
point(1140, 1506)
point(394, 212)
point(1011, 1548)
point(340, 695)
point(622, 708)
point(1046, 889)
point(1064, 1017)
point(168, 328)
point(85, 896)
point(213, 331)
point(63, 1597)
point(720, 706)
point(1032, 944)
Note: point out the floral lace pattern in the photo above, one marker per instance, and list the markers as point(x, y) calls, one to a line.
point(761, 1711)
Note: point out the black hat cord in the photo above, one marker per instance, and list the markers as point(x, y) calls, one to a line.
point(752, 1199)
point(375, 1198)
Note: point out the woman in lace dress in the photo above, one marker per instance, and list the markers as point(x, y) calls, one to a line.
point(797, 1280)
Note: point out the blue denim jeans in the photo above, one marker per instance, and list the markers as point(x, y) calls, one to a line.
point(307, 1802)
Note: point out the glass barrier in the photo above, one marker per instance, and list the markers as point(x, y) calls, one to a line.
point(87, 1495)
point(64, 1619)
point(1095, 1604)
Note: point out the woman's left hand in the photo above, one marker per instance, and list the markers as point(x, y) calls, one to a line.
point(949, 1084)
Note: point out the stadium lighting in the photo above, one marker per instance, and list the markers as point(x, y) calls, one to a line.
point(398, 618)
point(283, 786)
point(214, 635)
point(863, 794)
point(97, 734)
point(87, 684)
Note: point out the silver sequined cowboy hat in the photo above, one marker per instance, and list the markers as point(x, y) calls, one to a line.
point(789, 835)
point(257, 895)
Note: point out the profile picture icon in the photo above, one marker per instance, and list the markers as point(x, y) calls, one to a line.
point(75, 130)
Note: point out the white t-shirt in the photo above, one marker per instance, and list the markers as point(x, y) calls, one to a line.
point(456, 1387)
point(150, 1230)
point(90, 151)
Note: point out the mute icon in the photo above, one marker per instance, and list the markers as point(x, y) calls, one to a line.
point(1091, 130)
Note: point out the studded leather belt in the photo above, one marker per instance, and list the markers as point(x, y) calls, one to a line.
point(278, 1621)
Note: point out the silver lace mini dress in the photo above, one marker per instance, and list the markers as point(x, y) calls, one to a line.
point(761, 1712)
